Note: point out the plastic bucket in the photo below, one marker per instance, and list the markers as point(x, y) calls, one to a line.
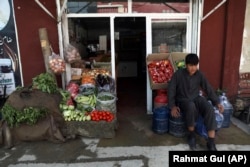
point(177, 126)
point(160, 120)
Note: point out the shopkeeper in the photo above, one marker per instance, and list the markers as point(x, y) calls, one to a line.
point(183, 96)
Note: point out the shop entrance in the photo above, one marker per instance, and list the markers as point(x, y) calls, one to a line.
point(130, 50)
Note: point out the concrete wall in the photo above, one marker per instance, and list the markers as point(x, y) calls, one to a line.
point(245, 55)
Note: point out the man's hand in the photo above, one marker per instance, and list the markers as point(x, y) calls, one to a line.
point(175, 112)
point(220, 108)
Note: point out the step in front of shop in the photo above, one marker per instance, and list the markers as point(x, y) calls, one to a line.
point(93, 129)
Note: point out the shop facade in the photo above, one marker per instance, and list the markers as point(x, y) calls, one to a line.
point(131, 31)
point(213, 29)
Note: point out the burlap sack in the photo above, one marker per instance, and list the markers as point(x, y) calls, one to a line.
point(47, 128)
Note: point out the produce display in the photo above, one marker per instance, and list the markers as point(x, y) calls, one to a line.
point(81, 100)
point(160, 71)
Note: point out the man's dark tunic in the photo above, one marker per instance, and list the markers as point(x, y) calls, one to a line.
point(183, 91)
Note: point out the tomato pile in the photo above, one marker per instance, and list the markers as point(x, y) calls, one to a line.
point(160, 71)
point(102, 115)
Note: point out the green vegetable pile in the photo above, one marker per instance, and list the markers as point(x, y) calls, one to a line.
point(29, 115)
point(106, 97)
point(45, 82)
point(180, 64)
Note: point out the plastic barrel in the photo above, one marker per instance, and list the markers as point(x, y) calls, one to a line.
point(177, 126)
point(160, 120)
point(161, 98)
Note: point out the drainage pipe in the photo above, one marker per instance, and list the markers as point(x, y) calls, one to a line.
point(215, 8)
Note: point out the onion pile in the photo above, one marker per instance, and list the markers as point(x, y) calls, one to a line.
point(71, 54)
point(57, 65)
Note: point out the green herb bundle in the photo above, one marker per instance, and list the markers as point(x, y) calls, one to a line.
point(29, 115)
point(45, 82)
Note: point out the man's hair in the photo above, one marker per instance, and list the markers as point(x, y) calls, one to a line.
point(192, 59)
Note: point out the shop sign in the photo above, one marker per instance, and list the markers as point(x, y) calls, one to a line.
point(10, 70)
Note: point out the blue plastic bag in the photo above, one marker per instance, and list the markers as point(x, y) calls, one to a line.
point(201, 128)
point(219, 118)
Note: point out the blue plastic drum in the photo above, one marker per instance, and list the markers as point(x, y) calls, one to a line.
point(160, 120)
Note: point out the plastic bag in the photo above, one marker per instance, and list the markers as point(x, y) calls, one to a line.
point(200, 128)
point(73, 88)
point(87, 89)
point(85, 101)
point(219, 118)
point(56, 64)
point(71, 54)
point(105, 83)
point(106, 101)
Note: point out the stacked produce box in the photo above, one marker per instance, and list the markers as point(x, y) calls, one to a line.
point(160, 70)
point(161, 67)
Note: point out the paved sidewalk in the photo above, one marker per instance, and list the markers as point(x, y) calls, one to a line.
point(86, 152)
point(134, 145)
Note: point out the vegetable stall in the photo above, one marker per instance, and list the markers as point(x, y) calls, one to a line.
point(86, 107)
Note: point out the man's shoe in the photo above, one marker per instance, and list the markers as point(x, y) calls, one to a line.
point(211, 146)
point(192, 142)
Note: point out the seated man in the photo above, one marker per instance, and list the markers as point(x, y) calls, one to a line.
point(183, 95)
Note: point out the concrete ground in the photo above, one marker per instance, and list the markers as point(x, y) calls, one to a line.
point(135, 144)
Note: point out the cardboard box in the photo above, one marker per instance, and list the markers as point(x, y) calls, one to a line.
point(176, 57)
point(76, 71)
point(157, 57)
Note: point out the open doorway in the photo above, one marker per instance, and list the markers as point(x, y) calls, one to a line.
point(130, 49)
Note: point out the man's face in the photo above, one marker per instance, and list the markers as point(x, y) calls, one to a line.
point(191, 68)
